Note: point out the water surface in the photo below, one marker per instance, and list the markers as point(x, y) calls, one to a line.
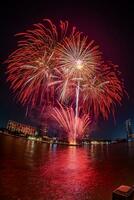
point(37, 171)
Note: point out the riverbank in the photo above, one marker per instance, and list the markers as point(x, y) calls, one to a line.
point(48, 140)
point(39, 139)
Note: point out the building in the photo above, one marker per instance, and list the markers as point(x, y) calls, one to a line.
point(14, 126)
point(129, 129)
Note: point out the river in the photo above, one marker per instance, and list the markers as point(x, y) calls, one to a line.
point(37, 171)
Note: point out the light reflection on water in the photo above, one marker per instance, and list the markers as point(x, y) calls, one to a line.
point(69, 174)
point(33, 171)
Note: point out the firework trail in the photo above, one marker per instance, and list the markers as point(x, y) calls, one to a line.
point(77, 109)
point(66, 118)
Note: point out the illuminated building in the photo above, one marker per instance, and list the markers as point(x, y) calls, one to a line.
point(14, 126)
point(129, 129)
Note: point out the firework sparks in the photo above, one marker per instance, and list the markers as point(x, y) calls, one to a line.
point(78, 58)
point(66, 118)
point(100, 86)
point(101, 93)
point(31, 68)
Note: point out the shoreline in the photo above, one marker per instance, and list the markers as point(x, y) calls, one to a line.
point(50, 141)
point(38, 140)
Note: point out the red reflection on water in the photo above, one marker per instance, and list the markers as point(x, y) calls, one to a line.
point(34, 171)
point(68, 175)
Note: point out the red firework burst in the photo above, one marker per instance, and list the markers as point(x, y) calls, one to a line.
point(101, 93)
point(74, 126)
point(31, 68)
point(100, 84)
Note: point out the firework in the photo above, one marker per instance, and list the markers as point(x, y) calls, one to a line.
point(73, 125)
point(100, 85)
point(31, 68)
point(100, 94)
point(60, 63)
point(78, 60)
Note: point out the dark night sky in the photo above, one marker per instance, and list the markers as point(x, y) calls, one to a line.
point(109, 24)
